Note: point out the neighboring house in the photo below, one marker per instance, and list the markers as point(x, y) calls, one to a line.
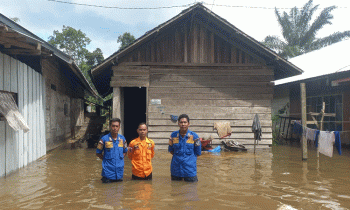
point(48, 89)
point(195, 63)
point(327, 79)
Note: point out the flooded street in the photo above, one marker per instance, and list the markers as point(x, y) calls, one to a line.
point(274, 178)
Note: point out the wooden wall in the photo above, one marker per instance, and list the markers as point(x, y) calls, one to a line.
point(197, 44)
point(17, 149)
point(210, 95)
point(196, 71)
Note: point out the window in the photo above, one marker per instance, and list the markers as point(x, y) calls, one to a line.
point(334, 104)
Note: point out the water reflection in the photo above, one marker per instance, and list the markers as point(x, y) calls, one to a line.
point(272, 179)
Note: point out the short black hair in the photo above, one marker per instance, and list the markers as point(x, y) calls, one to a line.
point(183, 116)
point(114, 120)
point(143, 123)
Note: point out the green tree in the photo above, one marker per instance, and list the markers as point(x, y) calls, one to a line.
point(125, 39)
point(71, 41)
point(74, 43)
point(299, 32)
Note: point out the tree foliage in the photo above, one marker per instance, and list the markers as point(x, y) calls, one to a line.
point(299, 32)
point(125, 39)
point(71, 41)
point(74, 43)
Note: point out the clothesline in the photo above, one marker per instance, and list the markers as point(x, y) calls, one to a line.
point(324, 140)
point(316, 129)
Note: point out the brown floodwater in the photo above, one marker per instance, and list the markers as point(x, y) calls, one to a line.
point(274, 178)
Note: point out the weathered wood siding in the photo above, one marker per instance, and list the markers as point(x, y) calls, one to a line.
point(195, 70)
point(17, 149)
point(210, 95)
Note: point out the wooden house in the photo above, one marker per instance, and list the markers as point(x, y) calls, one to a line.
point(327, 79)
point(48, 89)
point(195, 63)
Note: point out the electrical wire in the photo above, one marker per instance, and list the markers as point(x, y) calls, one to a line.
point(177, 6)
point(126, 8)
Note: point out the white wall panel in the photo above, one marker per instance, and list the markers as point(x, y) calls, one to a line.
point(30, 115)
point(2, 148)
point(25, 114)
point(20, 107)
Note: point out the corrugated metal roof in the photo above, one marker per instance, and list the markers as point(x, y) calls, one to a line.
point(327, 60)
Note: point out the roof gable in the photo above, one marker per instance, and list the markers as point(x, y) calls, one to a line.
point(198, 36)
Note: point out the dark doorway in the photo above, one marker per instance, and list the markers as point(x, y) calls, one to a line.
point(134, 110)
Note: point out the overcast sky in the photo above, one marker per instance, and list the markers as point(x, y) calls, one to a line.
point(104, 25)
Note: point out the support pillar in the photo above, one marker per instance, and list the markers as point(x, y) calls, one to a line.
point(117, 107)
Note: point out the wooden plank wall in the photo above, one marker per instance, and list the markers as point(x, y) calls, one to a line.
point(191, 45)
point(195, 70)
point(18, 148)
point(211, 95)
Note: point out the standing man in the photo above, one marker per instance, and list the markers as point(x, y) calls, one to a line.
point(185, 146)
point(141, 151)
point(114, 148)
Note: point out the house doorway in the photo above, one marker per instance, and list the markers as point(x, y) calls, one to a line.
point(134, 110)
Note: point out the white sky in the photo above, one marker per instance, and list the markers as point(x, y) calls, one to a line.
point(103, 26)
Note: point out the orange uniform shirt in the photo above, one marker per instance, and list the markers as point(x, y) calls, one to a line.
point(140, 156)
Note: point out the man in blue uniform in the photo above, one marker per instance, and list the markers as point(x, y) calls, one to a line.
point(185, 146)
point(114, 148)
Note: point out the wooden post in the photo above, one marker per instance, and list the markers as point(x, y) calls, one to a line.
point(303, 118)
point(117, 106)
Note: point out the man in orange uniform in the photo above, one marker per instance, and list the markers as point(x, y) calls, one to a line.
point(141, 151)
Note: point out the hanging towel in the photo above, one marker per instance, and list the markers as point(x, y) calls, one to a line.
point(337, 141)
point(256, 128)
point(223, 128)
point(325, 143)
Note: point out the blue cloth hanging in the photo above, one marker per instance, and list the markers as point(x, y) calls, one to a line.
point(316, 138)
point(337, 141)
point(216, 149)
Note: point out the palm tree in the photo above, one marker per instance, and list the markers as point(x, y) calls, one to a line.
point(300, 34)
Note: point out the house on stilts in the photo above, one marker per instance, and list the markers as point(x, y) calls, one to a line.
point(195, 63)
point(41, 97)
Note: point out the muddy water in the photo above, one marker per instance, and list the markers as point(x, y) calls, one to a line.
point(274, 178)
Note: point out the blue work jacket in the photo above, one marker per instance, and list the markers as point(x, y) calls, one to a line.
point(185, 151)
point(113, 158)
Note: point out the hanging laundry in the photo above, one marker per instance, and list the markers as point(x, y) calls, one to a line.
point(310, 134)
point(325, 143)
point(297, 127)
point(256, 128)
point(223, 128)
point(337, 141)
point(317, 134)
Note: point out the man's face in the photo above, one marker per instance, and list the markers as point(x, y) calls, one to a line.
point(115, 126)
point(183, 124)
point(142, 131)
